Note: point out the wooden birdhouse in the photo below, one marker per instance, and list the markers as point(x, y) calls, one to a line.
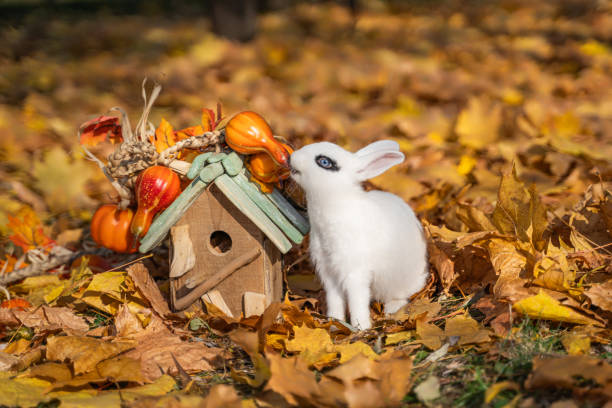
point(227, 238)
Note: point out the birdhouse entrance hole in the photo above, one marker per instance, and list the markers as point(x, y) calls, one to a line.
point(220, 242)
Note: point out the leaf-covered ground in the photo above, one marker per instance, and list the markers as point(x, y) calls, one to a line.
point(504, 111)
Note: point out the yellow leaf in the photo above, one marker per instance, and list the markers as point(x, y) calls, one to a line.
point(576, 343)
point(496, 388)
point(478, 125)
point(466, 164)
point(348, 351)
point(108, 290)
point(306, 338)
point(276, 340)
point(398, 337)
point(63, 180)
point(23, 392)
point(36, 282)
point(54, 293)
point(542, 306)
point(17, 347)
point(314, 345)
point(594, 47)
point(161, 386)
point(512, 96)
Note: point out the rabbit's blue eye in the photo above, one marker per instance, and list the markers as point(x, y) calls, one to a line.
point(326, 163)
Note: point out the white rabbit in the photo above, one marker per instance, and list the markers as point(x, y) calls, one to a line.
point(365, 245)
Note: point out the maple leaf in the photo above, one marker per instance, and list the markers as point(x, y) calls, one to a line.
point(27, 230)
point(100, 129)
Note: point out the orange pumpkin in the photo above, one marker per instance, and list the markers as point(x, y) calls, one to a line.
point(263, 168)
point(110, 228)
point(249, 133)
point(156, 188)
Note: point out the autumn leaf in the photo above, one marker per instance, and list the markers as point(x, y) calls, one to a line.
point(16, 303)
point(163, 137)
point(63, 180)
point(565, 372)
point(100, 129)
point(291, 378)
point(28, 230)
point(478, 125)
point(467, 329)
point(83, 352)
point(519, 211)
point(542, 306)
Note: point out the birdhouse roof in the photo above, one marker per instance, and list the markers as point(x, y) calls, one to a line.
point(270, 212)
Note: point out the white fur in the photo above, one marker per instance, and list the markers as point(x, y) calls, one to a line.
point(365, 245)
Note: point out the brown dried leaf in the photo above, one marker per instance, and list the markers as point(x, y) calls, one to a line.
point(156, 352)
point(45, 318)
point(564, 372)
point(83, 352)
point(291, 378)
point(429, 334)
point(509, 264)
point(468, 330)
point(148, 288)
point(600, 295)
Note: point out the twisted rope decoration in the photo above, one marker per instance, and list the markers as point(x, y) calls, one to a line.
point(136, 153)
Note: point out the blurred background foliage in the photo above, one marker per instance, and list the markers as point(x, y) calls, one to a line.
point(465, 87)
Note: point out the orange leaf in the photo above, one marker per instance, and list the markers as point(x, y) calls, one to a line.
point(27, 230)
point(190, 131)
point(101, 129)
point(15, 304)
point(164, 136)
point(7, 265)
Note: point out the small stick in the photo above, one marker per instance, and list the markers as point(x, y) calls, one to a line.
point(215, 279)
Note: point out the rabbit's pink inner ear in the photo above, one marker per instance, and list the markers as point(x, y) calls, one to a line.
point(373, 165)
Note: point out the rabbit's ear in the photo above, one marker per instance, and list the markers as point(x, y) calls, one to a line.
point(381, 145)
point(374, 163)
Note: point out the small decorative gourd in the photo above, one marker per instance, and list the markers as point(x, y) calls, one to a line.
point(156, 188)
point(249, 133)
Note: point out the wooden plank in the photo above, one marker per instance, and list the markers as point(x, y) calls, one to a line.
point(242, 201)
point(166, 220)
point(183, 255)
point(254, 304)
point(214, 297)
point(268, 207)
point(291, 213)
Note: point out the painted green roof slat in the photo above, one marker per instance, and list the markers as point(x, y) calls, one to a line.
point(268, 207)
point(242, 201)
point(291, 213)
point(232, 164)
point(216, 157)
point(198, 163)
